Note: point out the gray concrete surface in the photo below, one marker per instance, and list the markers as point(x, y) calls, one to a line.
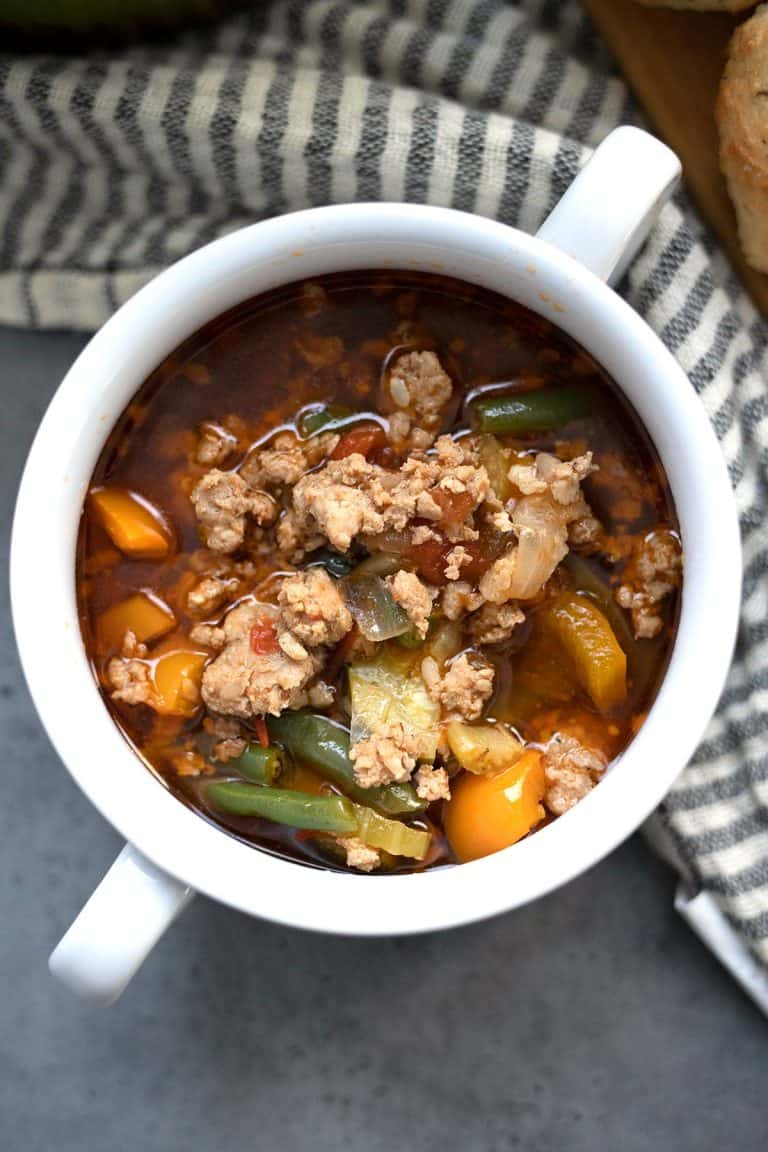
point(590, 1022)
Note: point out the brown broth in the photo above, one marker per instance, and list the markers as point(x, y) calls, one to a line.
point(262, 361)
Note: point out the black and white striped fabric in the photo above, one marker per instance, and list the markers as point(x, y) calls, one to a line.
point(114, 165)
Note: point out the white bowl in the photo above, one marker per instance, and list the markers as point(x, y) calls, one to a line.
point(137, 901)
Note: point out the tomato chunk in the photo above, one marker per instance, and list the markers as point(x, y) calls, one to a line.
point(456, 506)
point(430, 559)
point(365, 440)
point(264, 637)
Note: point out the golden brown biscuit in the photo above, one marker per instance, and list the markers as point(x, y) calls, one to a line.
point(701, 5)
point(742, 119)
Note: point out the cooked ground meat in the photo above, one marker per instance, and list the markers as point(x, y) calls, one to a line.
point(341, 500)
point(285, 460)
point(465, 686)
point(313, 608)
point(222, 502)
point(414, 597)
point(432, 783)
point(209, 635)
point(456, 559)
point(214, 444)
point(495, 623)
point(130, 680)
point(571, 771)
point(351, 497)
point(458, 599)
point(244, 683)
point(420, 389)
point(228, 749)
point(359, 855)
point(653, 574)
point(209, 594)
point(388, 755)
point(584, 534)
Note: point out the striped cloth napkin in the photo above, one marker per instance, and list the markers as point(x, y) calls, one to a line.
point(113, 165)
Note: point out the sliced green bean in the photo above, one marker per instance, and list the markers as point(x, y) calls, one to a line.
point(298, 809)
point(324, 745)
point(540, 411)
point(261, 765)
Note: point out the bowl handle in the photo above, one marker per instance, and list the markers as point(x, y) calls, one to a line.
point(613, 203)
point(118, 927)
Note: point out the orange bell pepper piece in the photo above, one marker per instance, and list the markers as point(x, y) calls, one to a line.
point(488, 813)
point(176, 677)
point(134, 525)
point(146, 616)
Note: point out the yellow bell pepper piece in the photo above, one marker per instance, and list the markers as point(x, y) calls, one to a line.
point(132, 523)
point(146, 616)
point(488, 813)
point(598, 660)
point(176, 680)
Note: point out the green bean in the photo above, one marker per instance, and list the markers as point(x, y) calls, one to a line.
point(324, 745)
point(299, 809)
point(324, 418)
point(539, 411)
point(261, 765)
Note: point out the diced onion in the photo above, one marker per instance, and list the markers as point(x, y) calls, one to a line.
point(375, 612)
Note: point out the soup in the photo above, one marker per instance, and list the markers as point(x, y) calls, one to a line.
point(379, 572)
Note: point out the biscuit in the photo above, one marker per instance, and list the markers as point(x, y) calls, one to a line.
point(742, 120)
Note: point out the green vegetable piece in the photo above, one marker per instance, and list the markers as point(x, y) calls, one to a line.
point(384, 691)
point(391, 835)
point(540, 411)
point(324, 418)
point(298, 809)
point(374, 609)
point(335, 563)
point(324, 745)
point(261, 765)
point(483, 749)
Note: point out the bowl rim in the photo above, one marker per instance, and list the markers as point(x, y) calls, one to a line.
point(81, 415)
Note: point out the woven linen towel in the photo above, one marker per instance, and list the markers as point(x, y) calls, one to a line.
point(115, 164)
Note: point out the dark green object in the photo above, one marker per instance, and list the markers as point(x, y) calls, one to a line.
point(324, 745)
point(335, 563)
point(540, 411)
point(324, 418)
point(298, 809)
point(261, 765)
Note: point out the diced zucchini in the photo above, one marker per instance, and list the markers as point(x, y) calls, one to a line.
point(383, 692)
point(391, 835)
point(483, 749)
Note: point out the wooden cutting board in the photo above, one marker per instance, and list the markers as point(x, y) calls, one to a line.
point(674, 61)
